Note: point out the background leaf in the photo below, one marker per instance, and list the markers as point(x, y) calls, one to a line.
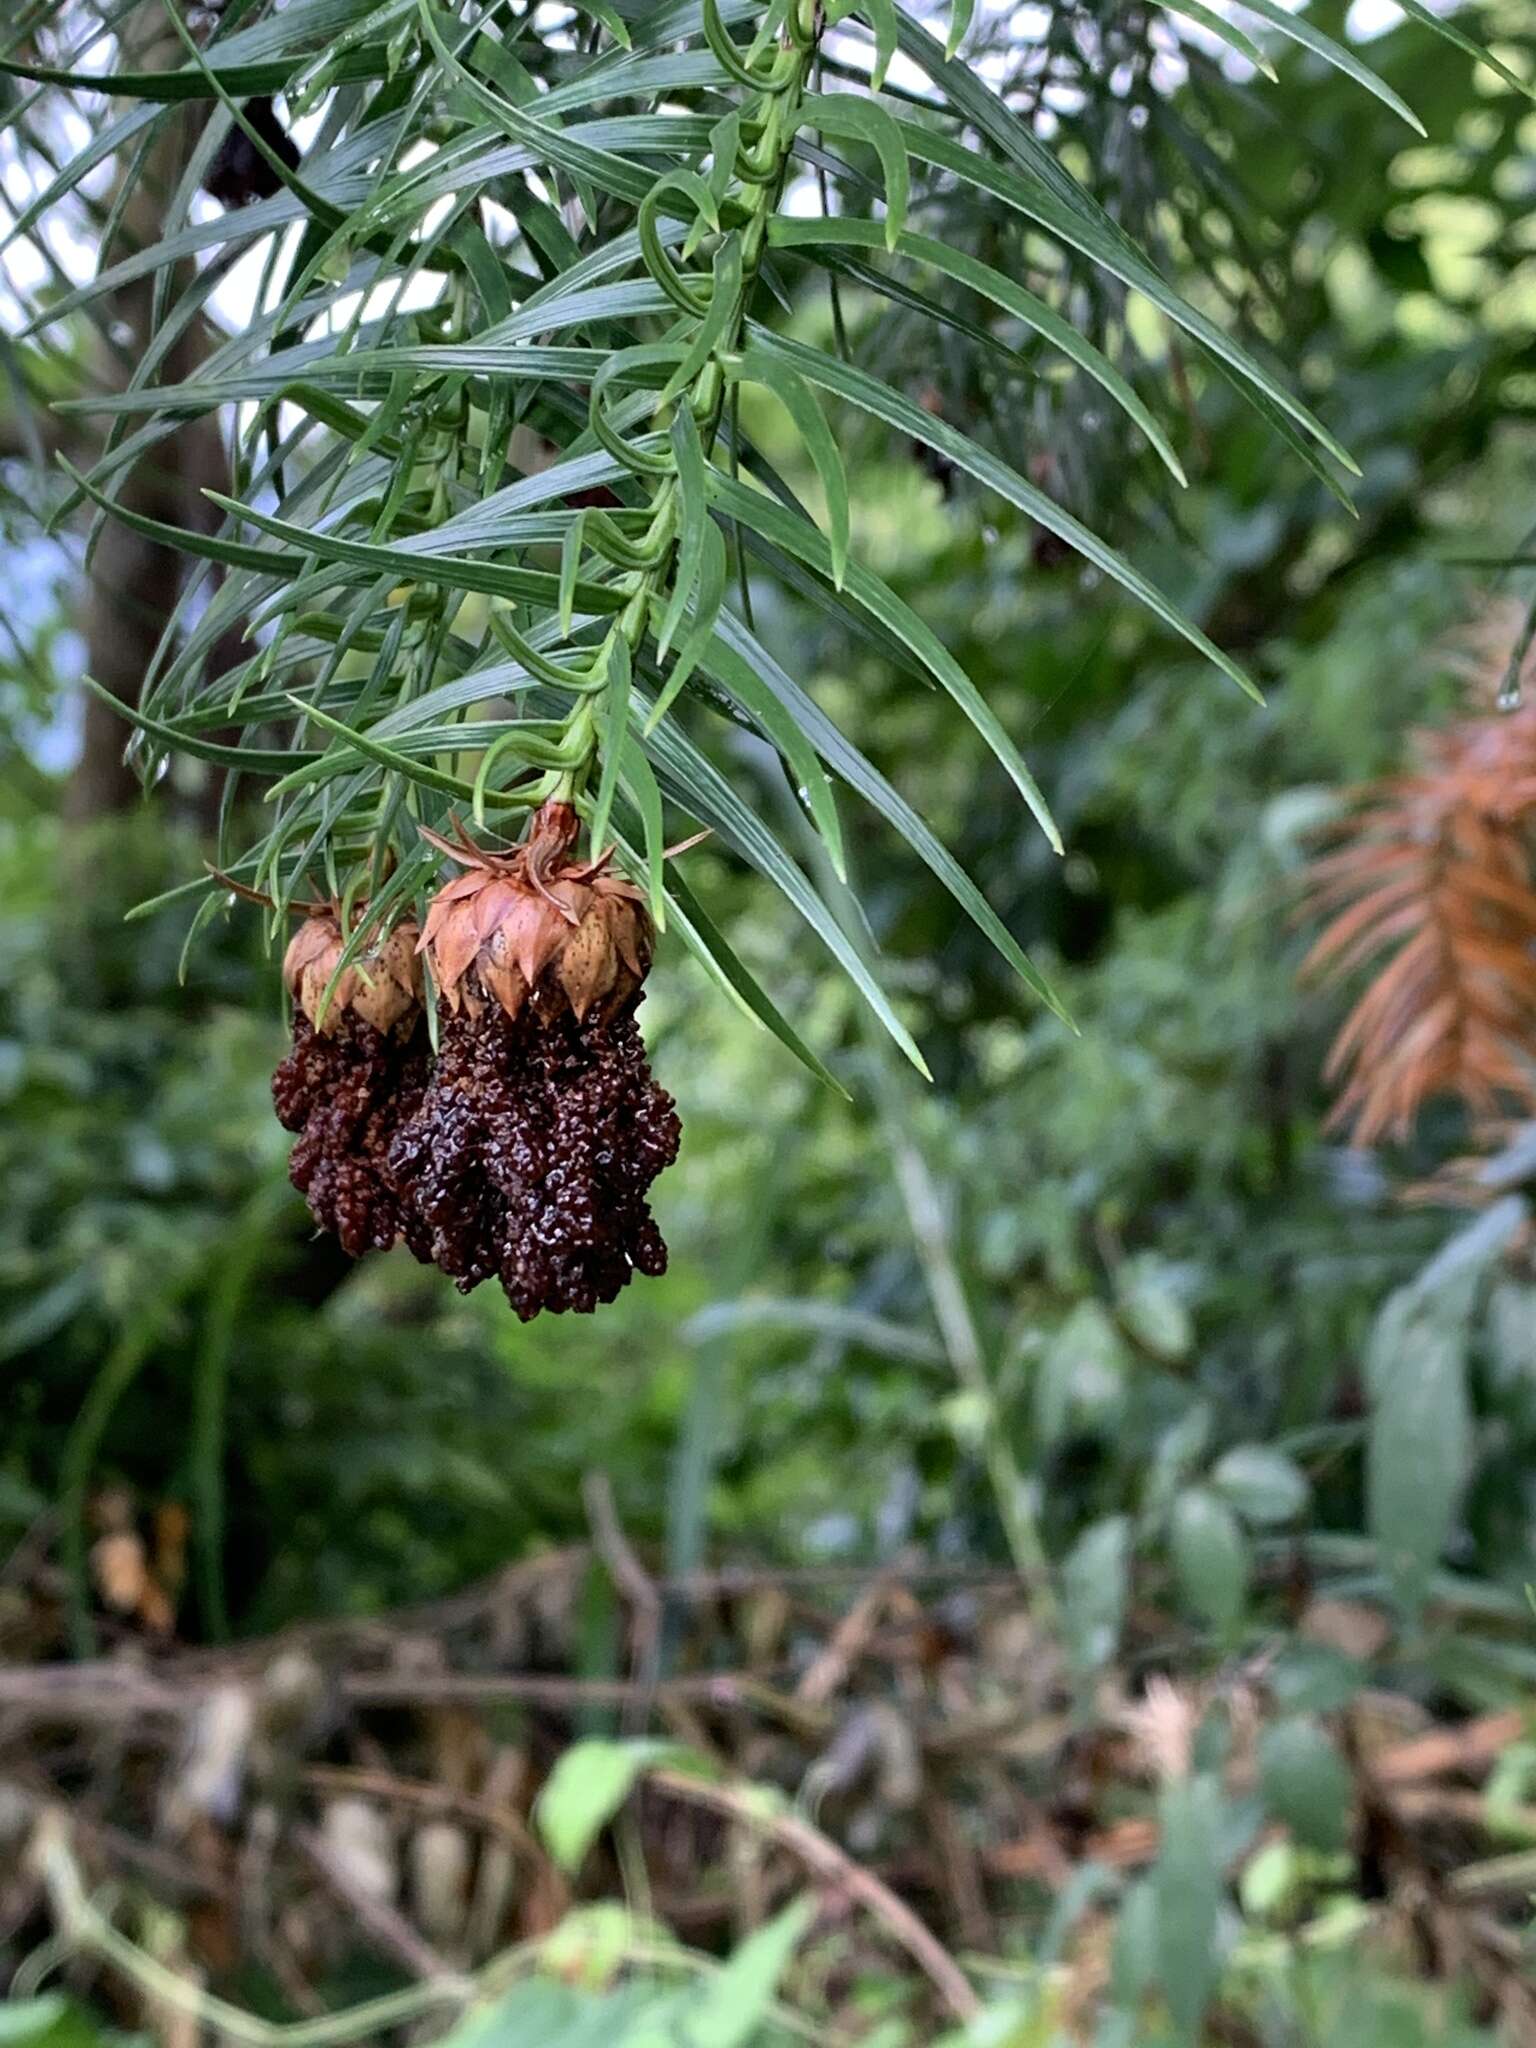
point(1420, 1449)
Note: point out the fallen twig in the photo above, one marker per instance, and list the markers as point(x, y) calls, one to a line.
point(389, 1930)
point(1473, 1744)
point(419, 1792)
point(829, 1670)
point(825, 1860)
point(82, 1927)
point(88, 1692)
point(1514, 1873)
point(439, 1688)
point(632, 1579)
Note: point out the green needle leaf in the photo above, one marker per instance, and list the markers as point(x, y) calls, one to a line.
point(615, 717)
point(862, 120)
point(1300, 30)
point(800, 402)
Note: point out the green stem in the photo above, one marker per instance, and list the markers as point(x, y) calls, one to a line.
point(942, 1280)
point(759, 194)
point(85, 1928)
point(958, 1330)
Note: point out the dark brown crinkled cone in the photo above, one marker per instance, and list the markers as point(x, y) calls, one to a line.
point(346, 1091)
point(542, 1130)
point(533, 1151)
point(358, 1068)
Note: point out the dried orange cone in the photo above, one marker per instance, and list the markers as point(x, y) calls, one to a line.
point(535, 923)
point(382, 987)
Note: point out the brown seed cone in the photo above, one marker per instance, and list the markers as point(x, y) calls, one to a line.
point(383, 985)
point(537, 1142)
point(346, 1091)
point(357, 1070)
point(536, 924)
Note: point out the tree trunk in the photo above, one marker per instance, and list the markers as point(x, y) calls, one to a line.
point(134, 581)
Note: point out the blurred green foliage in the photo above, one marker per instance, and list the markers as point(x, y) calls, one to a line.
point(1219, 1359)
point(1158, 1245)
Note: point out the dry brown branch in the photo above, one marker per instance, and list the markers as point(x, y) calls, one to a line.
point(829, 1671)
point(958, 1858)
point(1514, 1874)
point(833, 1867)
point(390, 1931)
point(1127, 1845)
point(1473, 1746)
point(1419, 1804)
point(496, 1877)
point(438, 1688)
point(89, 1692)
point(614, 1547)
point(632, 1579)
point(427, 1797)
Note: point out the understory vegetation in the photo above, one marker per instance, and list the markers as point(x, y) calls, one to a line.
point(1050, 1560)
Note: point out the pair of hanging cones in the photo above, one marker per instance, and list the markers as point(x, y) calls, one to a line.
point(526, 1148)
